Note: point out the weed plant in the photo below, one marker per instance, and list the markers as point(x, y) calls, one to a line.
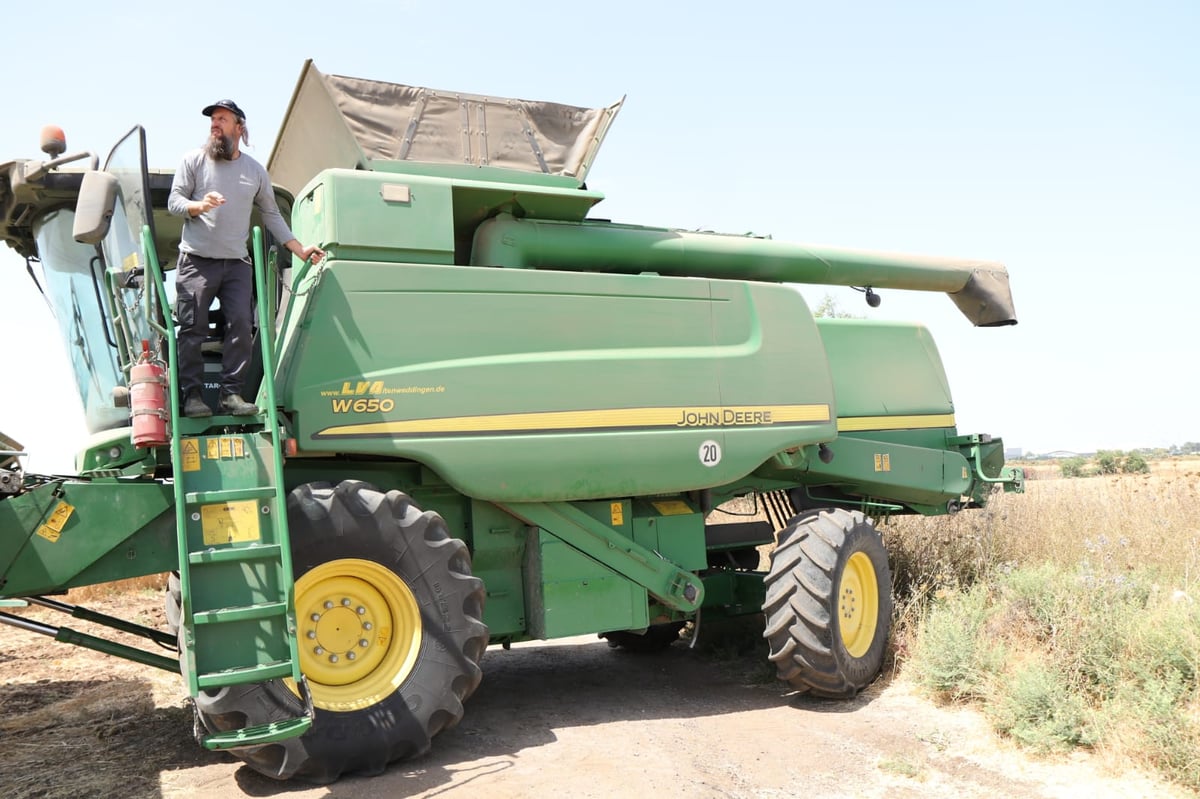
point(1070, 614)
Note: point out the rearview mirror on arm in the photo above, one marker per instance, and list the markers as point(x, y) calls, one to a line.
point(94, 209)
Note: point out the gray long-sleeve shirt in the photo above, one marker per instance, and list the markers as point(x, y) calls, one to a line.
point(222, 231)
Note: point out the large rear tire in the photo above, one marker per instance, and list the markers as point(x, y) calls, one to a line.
point(828, 603)
point(390, 630)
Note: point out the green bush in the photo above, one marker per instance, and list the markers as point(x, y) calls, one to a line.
point(1146, 713)
point(1134, 463)
point(1061, 657)
point(1038, 707)
point(1108, 461)
point(951, 656)
point(1032, 599)
point(1072, 467)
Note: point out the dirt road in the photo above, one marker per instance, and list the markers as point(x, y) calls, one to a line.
point(573, 718)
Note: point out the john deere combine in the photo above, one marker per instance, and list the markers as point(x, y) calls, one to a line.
point(487, 417)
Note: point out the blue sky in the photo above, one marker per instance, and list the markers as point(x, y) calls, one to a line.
point(1062, 139)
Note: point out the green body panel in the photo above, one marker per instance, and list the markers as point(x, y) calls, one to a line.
point(110, 530)
point(569, 593)
point(541, 386)
point(895, 417)
point(498, 544)
point(425, 213)
point(350, 215)
point(672, 528)
point(604, 533)
point(884, 369)
point(589, 564)
point(904, 474)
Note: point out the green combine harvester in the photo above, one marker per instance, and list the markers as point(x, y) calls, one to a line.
point(487, 418)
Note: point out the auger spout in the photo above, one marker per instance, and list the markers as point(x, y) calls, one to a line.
point(980, 289)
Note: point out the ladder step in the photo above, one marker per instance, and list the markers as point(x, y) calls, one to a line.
point(228, 495)
point(244, 613)
point(247, 675)
point(257, 736)
point(195, 425)
point(236, 553)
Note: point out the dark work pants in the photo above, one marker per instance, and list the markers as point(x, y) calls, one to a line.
point(198, 281)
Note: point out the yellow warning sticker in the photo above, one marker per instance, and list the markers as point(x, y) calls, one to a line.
point(230, 522)
point(239, 448)
point(966, 474)
point(212, 449)
point(53, 527)
point(617, 509)
point(191, 455)
point(674, 507)
point(883, 462)
point(226, 448)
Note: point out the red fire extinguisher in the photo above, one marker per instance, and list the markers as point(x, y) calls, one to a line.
point(148, 401)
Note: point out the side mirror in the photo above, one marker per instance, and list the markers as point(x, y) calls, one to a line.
point(94, 209)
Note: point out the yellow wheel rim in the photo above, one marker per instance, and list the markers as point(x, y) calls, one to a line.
point(358, 631)
point(858, 604)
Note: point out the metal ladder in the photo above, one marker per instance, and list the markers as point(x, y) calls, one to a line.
point(237, 621)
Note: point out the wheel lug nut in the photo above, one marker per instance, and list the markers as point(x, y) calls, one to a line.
point(364, 643)
point(366, 625)
point(346, 603)
point(315, 617)
point(319, 650)
point(312, 634)
point(350, 656)
point(328, 604)
point(333, 658)
point(361, 610)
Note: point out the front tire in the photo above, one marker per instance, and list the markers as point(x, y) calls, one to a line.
point(828, 603)
point(390, 633)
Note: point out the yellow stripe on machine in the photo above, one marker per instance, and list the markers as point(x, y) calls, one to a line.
point(599, 419)
point(855, 424)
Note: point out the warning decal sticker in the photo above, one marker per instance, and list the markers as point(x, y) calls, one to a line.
point(230, 522)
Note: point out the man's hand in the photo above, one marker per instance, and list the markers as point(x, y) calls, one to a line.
point(311, 252)
point(206, 203)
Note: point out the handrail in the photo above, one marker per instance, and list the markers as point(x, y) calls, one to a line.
point(168, 333)
point(266, 338)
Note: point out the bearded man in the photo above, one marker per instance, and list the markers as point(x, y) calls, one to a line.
point(214, 191)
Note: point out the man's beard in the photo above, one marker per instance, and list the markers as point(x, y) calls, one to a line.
point(220, 148)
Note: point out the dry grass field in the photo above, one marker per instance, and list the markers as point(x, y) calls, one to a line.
point(1115, 522)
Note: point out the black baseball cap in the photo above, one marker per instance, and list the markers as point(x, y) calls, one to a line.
point(228, 105)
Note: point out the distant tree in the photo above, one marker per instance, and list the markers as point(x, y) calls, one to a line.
point(1072, 467)
point(828, 308)
point(1108, 461)
point(1134, 463)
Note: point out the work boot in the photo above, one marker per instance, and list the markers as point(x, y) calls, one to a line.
point(195, 407)
point(234, 405)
